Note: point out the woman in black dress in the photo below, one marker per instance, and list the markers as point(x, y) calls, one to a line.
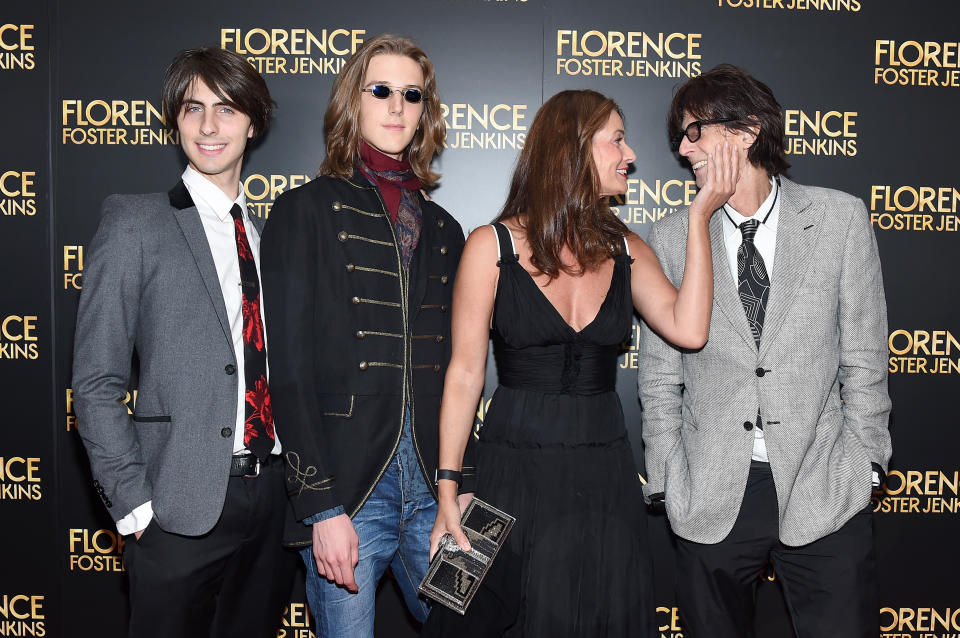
point(556, 278)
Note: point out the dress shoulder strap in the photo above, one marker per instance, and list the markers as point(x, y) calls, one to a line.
point(506, 250)
point(626, 246)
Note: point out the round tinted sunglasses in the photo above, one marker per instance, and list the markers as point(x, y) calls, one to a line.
point(382, 92)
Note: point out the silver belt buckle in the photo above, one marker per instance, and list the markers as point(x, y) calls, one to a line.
point(256, 470)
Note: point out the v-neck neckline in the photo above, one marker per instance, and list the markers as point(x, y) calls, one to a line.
point(556, 312)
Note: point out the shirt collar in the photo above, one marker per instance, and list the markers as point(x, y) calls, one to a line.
point(771, 222)
point(208, 195)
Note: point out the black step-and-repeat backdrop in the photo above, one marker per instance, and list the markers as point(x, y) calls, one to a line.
point(870, 95)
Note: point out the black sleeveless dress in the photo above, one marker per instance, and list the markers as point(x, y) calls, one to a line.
point(554, 453)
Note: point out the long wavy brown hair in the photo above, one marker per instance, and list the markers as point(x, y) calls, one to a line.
point(555, 191)
point(341, 123)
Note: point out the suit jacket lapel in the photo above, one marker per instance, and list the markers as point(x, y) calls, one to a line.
point(725, 293)
point(798, 228)
point(188, 217)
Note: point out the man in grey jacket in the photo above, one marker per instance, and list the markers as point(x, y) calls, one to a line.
point(194, 477)
point(763, 445)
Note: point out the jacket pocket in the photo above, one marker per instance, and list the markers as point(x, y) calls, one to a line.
point(151, 419)
point(339, 405)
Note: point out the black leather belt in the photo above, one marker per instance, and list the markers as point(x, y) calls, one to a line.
point(247, 465)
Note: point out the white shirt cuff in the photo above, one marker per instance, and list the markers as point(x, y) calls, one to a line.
point(137, 520)
point(876, 479)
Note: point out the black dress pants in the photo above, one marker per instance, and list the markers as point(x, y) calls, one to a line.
point(830, 585)
point(232, 581)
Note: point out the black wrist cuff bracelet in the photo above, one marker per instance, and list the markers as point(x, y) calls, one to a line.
point(450, 475)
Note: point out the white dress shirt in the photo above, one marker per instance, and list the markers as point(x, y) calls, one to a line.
point(766, 243)
point(214, 208)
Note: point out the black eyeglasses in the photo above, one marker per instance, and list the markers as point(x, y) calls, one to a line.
point(382, 92)
point(695, 129)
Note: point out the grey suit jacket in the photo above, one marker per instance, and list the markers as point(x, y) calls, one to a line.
point(819, 377)
point(151, 287)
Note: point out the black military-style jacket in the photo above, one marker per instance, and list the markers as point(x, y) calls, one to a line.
point(352, 337)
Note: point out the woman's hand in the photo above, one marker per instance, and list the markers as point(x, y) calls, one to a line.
point(720, 181)
point(448, 522)
point(463, 500)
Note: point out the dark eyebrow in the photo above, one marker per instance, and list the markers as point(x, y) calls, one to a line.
point(221, 103)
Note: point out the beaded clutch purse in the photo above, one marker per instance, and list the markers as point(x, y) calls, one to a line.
point(454, 575)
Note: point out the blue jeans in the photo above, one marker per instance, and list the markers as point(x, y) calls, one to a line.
point(394, 530)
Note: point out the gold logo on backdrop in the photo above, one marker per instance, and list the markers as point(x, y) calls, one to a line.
point(923, 352)
point(71, 417)
point(628, 54)
point(129, 400)
point(98, 550)
point(20, 478)
point(21, 615)
point(793, 5)
point(482, 408)
point(485, 126)
point(820, 132)
point(913, 63)
point(296, 622)
point(668, 622)
point(72, 267)
point(293, 51)
point(916, 492)
point(915, 208)
point(17, 47)
point(18, 337)
point(937, 622)
point(114, 123)
point(631, 348)
point(647, 201)
point(262, 190)
point(18, 192)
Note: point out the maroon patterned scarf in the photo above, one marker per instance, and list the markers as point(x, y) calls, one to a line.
point(399, 187)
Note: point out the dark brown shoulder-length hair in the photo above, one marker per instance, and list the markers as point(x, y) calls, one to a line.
point(228, 75)
point(728, 91)
point(555, 192)
point(341, 123)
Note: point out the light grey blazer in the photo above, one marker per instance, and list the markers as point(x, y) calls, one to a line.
point(150, 287)
point(822, 390)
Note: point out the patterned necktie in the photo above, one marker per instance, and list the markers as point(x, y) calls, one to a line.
point(752, 281)
point(258, 435)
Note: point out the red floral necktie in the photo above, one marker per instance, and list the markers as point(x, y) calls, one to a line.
point(258, 433)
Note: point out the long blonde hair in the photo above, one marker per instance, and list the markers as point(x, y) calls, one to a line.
point(341, 123)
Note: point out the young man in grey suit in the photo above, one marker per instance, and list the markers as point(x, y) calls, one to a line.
point(763, 445)
point(194, 477)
